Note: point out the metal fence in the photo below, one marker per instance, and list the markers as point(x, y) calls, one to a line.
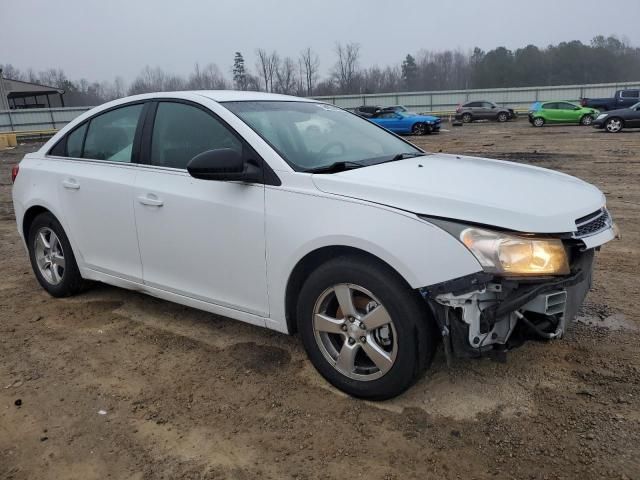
point(446, 101)
point(38, 119)
point(44, 119)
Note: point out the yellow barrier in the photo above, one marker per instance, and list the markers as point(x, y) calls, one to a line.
point(8, 140)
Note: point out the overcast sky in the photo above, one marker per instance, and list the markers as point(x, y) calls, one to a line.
point(99, 39)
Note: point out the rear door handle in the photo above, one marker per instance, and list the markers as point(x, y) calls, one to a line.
point(151, 200)
point(71, 184)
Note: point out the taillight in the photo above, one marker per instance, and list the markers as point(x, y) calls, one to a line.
point(14, 173)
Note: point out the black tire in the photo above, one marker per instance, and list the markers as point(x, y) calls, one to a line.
point(538, 122)
point(467, 117)
point(415, 331)
point(586, 120)
point(503, 117)
point(71, 281)
point(419, 129)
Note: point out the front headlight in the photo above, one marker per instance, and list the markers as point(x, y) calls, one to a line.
point(514, 255)
point(601, 116)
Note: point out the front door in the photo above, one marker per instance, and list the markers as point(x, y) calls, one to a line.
point(202, 239)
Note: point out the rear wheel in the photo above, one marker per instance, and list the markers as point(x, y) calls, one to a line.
point(466, 117)
point(503, 117)
point(364, 330)
point(586, 120)
point(538, 122)
point(51, 257)
point(419, 129)
point(613, 125)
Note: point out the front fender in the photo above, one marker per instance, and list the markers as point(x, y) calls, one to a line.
point(419, 251)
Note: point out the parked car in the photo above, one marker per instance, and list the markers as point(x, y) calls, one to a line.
point(621, 99)
point(560, 112)
point(406, 122)
point(615, 120)
point(483, 110)
point(368, 247)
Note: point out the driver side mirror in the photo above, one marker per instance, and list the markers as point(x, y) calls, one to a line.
point(493, 106)
point(577, 108)
point(223, 164)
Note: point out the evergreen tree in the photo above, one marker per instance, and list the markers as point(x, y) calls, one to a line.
point(409, 72)
point(239, 72)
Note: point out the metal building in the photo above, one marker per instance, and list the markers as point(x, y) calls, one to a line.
point(16, 94)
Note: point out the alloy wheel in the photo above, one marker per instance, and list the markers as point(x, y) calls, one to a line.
point(538, 122)
point(614, 125)
point(355, 332)
point(587, 120)
point(49, 255)
point(419, 129)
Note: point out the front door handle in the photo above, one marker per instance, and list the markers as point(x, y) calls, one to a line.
point(71, 184)
point(151, 200)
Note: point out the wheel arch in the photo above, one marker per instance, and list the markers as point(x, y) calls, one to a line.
point(29, 216)
point(312, 260)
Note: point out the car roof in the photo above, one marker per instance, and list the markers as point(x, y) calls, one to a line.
point(215, 95)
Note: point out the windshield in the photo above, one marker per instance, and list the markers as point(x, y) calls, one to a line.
point(635, 107)
point(311, 135)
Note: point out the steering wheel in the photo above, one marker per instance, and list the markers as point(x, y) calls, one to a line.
point(331, 145)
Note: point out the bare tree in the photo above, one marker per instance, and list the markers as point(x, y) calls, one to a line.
point(346, 67)
point(286, 76)
point(267, 64)
point(310, 66)
point(9, 71)
point(207, 78)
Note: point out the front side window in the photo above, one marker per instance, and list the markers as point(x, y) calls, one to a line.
point(110, 135)
point(550, 106)
point(311, 135)
point(630, 93)
point(181, 131)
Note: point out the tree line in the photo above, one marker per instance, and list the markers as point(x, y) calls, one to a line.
point(603, 60)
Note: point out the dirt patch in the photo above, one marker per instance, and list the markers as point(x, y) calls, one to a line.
point(189, 395)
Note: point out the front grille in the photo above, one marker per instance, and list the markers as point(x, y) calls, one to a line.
point(592, 223)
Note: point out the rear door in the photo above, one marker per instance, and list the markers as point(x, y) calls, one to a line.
point(550, 112)
point(202, 239)
point(96, 178)
point(486, 111)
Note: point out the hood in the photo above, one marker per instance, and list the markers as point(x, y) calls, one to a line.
point(490, 192)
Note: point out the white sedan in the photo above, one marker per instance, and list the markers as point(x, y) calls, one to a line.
point(368, 247)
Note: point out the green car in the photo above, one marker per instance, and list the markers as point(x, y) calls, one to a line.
point(561, 112)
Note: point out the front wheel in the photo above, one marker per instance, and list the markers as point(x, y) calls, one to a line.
point(364, 329)
point(538, 122)
point(586, 120)
point(466, 118)
point(613, 125)
point(503, 117)
point(419, 129)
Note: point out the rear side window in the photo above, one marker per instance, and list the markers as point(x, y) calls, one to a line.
point(180, 132)
point(74, 142)
point(110, 135)
point(630, 93)
point(473, 104)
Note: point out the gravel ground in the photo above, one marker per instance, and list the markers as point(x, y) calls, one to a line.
point(115, 384)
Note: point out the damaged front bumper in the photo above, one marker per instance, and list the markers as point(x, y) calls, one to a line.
point(485, 314)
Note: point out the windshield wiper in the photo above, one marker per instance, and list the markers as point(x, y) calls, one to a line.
point(335, 167)
point(402, 156)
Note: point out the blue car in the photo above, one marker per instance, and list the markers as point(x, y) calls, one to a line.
point(399, 121)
